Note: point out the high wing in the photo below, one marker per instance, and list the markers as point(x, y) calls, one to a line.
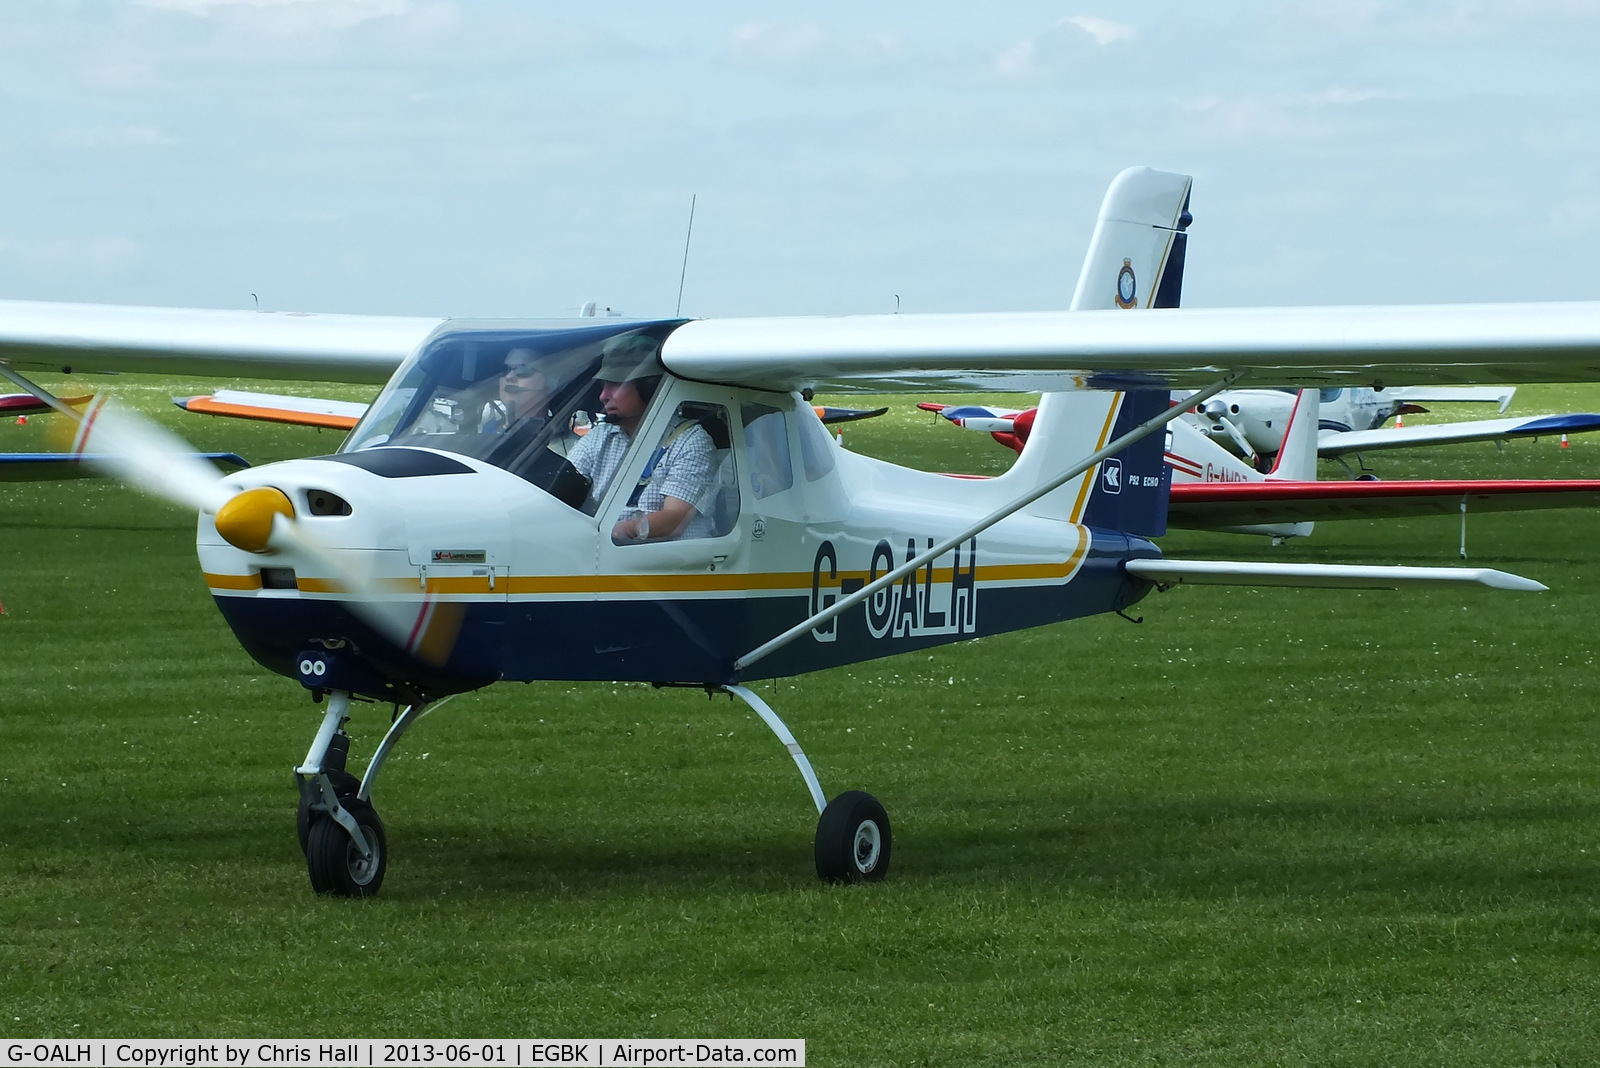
point(1020, 352)
point(1340, 442)
point(40, 336)
point(1154, 349)
point(1223, 505)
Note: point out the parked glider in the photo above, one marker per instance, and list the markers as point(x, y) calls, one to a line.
point(434, 553)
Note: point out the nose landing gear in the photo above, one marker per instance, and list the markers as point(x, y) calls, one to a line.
point(341, 834)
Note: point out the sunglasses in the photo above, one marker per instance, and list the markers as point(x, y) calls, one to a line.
point(520, 372)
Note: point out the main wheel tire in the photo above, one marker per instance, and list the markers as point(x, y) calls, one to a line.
point(345, 786)
point(333, 860)
point(853, 840)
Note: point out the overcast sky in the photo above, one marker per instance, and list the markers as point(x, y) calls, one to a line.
point(488, 158)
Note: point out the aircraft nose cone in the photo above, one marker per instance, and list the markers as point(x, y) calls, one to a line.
point(245, 522)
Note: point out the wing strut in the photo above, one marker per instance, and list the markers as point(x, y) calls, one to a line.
point(844, 604)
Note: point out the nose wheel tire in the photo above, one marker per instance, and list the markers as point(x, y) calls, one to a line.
point(853, 840)
point(345, 785)
point(334, 861)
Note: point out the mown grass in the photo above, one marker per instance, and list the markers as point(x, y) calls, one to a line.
point(1263, 827)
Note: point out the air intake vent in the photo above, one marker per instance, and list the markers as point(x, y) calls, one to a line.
point(321, 502)
point(278, 578)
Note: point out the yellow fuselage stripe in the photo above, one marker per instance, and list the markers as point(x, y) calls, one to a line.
point(730, 582)
point(1088, 481)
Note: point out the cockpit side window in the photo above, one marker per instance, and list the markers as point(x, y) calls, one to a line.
point(766, 442)
point(816, 447)
point(688, 487)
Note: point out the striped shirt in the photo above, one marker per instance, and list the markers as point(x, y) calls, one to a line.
point(685, 470)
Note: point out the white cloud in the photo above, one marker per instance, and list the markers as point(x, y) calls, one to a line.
point(290, 16)
point(1058, 47)
point(808, 44)
point(1104, 31)
point(1018, 60)
point(1250, 118)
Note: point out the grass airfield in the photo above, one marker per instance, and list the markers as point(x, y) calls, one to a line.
point(1263, 827)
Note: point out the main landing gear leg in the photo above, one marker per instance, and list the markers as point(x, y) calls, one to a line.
point(341, 834)
point(853, 839)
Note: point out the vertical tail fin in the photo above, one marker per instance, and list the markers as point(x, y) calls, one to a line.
point(1135, 260)
point(1297, 459)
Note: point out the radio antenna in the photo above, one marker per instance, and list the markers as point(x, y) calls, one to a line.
point(685, 272)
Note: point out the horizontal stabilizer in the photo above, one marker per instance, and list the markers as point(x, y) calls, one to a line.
point(830, 416)
point(1322, 576)
point(1497, 395)
point(1337, 443)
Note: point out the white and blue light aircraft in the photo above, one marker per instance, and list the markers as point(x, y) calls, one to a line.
point(1251, 421)
point(433, 555)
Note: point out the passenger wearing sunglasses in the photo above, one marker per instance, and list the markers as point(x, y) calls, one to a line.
point(524, 396)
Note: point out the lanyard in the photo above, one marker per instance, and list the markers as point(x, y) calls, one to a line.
point(655, 458)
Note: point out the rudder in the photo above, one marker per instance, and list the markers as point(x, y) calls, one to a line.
point(1131, 489)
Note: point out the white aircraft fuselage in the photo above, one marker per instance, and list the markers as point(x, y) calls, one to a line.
point(506, 581)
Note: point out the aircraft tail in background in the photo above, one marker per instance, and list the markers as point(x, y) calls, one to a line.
point(1297, 460)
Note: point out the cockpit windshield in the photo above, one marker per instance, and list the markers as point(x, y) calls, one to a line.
point(515, 396)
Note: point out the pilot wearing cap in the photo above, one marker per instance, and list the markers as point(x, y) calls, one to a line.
point(673, 496)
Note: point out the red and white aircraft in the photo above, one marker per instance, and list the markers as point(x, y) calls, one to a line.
point(1214, 489)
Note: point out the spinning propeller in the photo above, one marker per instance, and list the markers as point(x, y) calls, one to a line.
point(152, 459)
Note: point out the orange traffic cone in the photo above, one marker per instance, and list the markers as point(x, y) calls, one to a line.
point(22, 420)
point(1399, 421)
point(1564, 444)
